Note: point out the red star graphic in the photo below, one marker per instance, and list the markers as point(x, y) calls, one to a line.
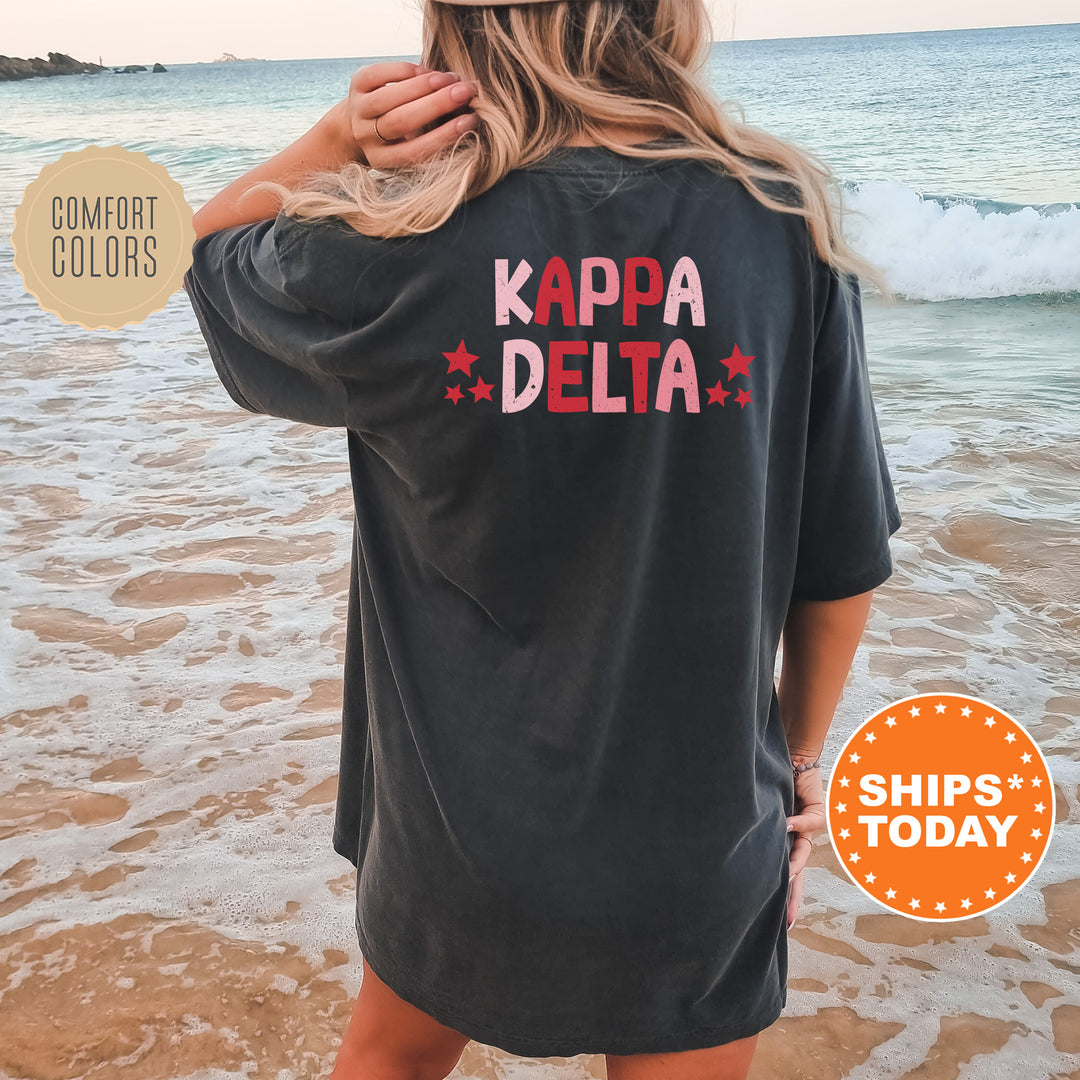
point(737, 364)
point(481, 389)
point(716, 393)
point(742, 397)
point(460, 359)
point(454, 393)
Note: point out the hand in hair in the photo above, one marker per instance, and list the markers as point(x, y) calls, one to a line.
point(407, 100)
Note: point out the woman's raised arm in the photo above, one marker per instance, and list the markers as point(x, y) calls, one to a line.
point(404, 97)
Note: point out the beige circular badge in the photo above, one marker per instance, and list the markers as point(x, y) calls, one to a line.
point(103, 237)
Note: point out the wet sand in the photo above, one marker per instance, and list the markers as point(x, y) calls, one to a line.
point(170, 903)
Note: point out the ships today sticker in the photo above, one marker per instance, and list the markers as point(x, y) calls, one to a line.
point(103, 237)
point(940, 807)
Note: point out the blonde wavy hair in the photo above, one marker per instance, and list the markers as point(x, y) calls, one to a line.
point(552, 71)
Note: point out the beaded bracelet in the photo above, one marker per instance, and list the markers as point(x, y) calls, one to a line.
point(796, 769)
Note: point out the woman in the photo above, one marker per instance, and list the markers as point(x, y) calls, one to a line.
point(597, 349)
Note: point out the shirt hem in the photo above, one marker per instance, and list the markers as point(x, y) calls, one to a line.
point(839, 589)
point(213, 344)
point(339, 845)
point(566, 1045)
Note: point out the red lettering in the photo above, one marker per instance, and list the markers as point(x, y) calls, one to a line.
point(555, 288)
point(632, 295)
point(558, 377)
point(640, 353)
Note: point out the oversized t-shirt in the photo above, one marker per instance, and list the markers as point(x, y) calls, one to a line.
point(603, 425)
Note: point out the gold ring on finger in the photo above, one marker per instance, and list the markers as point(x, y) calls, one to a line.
point(380, 134)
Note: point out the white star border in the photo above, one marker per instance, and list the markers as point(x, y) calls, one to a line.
point(992, 715)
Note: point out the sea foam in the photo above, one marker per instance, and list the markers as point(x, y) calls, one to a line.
point(934, 247)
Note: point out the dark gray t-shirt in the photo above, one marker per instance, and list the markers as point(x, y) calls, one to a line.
point(603, 424)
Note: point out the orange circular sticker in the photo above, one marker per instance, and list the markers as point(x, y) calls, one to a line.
point(103, 237)
point(940, 807)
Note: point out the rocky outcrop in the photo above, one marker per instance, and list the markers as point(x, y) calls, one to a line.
point(14, 67)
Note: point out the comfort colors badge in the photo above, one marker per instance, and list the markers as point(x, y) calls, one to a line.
point(940, 807)
point(103, 237)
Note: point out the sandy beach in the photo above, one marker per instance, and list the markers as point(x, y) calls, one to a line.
point(170, 905)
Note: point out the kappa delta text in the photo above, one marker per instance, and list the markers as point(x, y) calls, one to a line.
point(638, 283)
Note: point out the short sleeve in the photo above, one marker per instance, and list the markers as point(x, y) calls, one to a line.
point(848, 510)
point(244, 285)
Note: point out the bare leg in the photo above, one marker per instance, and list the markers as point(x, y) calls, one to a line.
point(728, 1062)
point(389, 1039)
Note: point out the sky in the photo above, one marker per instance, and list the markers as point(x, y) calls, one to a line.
point(138, 32)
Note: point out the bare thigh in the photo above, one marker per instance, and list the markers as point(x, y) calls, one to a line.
point(728, 1062)
point(389, 1039)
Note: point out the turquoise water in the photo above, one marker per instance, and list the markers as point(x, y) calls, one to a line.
point(962, 147)
point(979, 114)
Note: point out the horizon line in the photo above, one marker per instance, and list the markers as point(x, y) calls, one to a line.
point(715, 41)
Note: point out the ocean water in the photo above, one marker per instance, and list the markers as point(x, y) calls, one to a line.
point(175, 570)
